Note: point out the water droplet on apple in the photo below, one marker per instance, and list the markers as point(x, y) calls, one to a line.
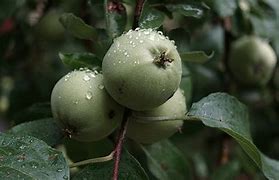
point(88, 95)
point(86, 78)
point(101, 86)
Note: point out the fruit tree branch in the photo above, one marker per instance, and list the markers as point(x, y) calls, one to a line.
point(138, 10)
point(119, 144)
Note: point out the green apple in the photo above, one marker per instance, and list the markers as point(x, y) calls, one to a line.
point(142, 69)
point(150, 131)
point(252, 61)
point(49, 28)
point(81, 105)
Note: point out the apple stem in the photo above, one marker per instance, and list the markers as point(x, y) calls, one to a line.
point(119, 143)
point(94, 160)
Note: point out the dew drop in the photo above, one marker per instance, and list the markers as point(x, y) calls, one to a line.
point(59, 97)
point(75, 102)
point(93, 75)
point(34, 166)
point(137, 29)
point(22, 147)
point(160, 32)
point(119, 62)
point(172, 41)
point(3, 143)
point(101, 86)
point(88, 95)
point(130, 36)
point(114, 51)
point(23, 166)
point(59, 170)
point(146, 32)
point(65, 177)
point(90, 87)
point(137, 37)
point(86, 78)
point(141, 41)
point(131, 42)
point(125, 53)
point(152, 37)
point(67, 77)
point(162, 37)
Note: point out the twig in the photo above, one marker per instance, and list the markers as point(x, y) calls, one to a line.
point(119, 143)
point(226, 24)
point(147, 119)
point(138, 10)
point(94, 160)
point(225, 150)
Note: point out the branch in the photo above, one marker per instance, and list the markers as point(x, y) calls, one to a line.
point(138, 10)
point(119, 143)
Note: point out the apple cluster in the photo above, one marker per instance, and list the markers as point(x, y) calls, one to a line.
point(141, 71)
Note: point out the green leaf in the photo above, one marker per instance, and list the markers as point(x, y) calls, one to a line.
point(25, 157)
point(46, 130)
point(33, 112)
point(8, 7)
point(181, 38)
point(196, 11)
point(116, 17)
point(77, 27)
point(151, 18)
point(227, 171)
point(130, 169)
point(220, 110)
point(196, 56)
point(80, 60)
point(225, 8)
point(263, 26)
point(186, 83)
point(165, 161)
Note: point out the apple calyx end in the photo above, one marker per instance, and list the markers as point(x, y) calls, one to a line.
point(162, 60)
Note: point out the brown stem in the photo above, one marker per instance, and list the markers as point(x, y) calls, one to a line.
point(138, 10)
point(227, 25)
point(119, 144)
point(225, 151)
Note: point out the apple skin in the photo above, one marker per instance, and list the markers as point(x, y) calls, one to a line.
point(153, 131)
point(132, 74)
point(252, 61)
point(81, 105)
